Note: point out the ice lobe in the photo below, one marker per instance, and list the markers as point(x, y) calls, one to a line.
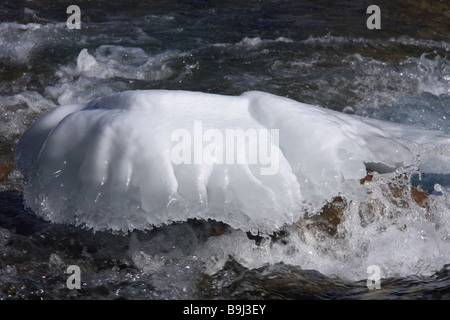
point(107, 164)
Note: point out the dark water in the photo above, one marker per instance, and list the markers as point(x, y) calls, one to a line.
point(317, 52)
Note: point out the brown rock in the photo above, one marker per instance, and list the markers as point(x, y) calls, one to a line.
point(419, 196)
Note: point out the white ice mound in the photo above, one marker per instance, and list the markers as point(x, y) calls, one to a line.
point(125, 161)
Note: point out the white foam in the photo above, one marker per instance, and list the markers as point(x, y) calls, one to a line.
point(401, 240)
point(86, 79)
point(118, 61)
point(375, 80)
point(19, 41)
point(106, 164)
point(20, 110)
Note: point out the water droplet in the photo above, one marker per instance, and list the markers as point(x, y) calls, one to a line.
point(438, 187)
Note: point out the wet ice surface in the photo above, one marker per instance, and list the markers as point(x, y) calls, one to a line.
point(400, 74)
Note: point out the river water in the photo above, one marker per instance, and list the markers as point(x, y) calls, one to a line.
point(320, 53)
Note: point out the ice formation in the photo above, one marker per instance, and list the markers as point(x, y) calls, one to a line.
point(108, 164)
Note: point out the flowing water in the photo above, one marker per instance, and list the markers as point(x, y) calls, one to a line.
point(317, 52)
